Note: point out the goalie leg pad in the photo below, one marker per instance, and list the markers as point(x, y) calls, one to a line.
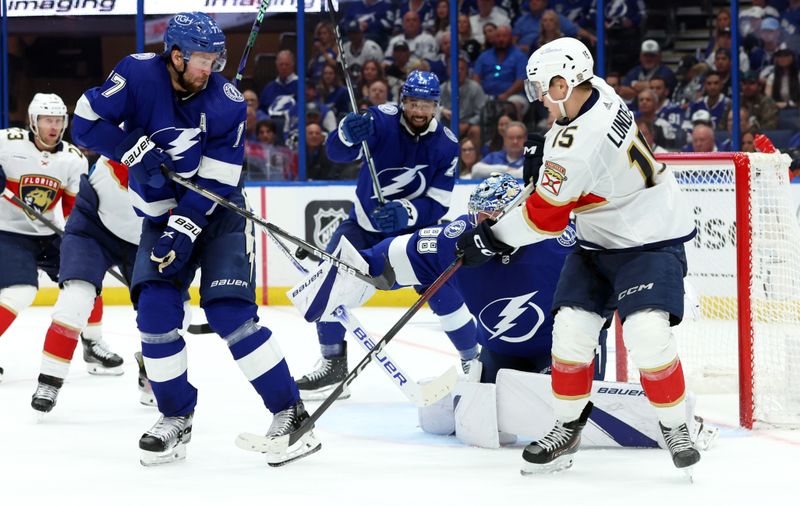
point(476, 414)
point(439, 417)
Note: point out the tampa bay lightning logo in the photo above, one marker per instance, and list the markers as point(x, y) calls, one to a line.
point(455, 229)
point(568, 237)
point(402, 181)
point(182, 144)
point(512, 319)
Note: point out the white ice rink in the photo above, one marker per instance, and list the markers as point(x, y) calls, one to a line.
point(85, 451)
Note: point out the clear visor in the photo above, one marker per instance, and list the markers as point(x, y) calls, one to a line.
point(534, 90)
point(214, 62)
point(419, 104)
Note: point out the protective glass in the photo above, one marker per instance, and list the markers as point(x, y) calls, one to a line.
point(423, 106)
point(534, 90)
point(208, 61)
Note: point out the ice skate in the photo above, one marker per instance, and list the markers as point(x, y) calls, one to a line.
point(702, 435)
point(166, 441)
point(555, 451)
point(679, 443)
point(275, 444)
point(44, 399)
point(317, 384)
point(99, 359)
point(146, 396)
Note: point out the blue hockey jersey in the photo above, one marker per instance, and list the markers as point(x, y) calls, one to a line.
point(511, 301)
point(203, 133)
point(421, 169)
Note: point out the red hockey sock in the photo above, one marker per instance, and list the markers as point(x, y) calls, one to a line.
point(60, 342)
point(96, 315)
point(572, 380)
point(7, 317)
point(664, 386)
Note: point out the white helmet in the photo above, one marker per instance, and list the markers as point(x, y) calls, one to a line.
point(565, 57)
point(46, 104)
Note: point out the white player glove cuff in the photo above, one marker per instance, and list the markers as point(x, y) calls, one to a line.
point(185, 226)
point(137, 152)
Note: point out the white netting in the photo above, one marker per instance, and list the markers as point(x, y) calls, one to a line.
point(708, 337)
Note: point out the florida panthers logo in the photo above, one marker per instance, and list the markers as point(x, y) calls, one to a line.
point(512, 319)
point(39, 192)
point(184, 145)
point(406, 182)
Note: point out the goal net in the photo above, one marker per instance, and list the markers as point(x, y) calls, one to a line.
point(741, 328)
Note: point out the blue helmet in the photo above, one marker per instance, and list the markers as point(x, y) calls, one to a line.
point(492, 195)
point(421, 84)
point(196, 31)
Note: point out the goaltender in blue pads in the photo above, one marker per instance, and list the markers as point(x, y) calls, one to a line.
point(510, 296)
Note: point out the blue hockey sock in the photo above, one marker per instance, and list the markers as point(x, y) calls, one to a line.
point(165, 361)
point(469, 353)
point(332, 350)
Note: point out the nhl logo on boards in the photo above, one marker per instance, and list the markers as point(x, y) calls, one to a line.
point(553, 177)
point(39, 192)
point(326, 221)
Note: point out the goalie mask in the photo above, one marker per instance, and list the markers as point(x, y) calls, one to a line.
point(491, 196)
point(47, 104)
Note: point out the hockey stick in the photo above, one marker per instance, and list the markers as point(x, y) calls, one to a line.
point(349, 84)
point(262, 444)
point(382, 282)
point(251, 40)
point(194, 329)
point(420, 394)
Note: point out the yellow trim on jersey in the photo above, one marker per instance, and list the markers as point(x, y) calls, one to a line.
point(568, 362)
point(554, 203)
point(571, 397)
point(661, 367)
point(669, 404)
point(58, 359)
point(589, 207)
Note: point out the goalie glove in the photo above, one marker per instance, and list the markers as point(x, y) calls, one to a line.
point(478, 245)
point(326, 288)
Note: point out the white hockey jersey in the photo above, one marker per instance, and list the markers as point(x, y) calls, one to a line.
point(39, 178)
point(110, 180)
point(599, 167)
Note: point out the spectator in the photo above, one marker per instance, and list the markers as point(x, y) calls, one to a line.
point(527, 27)
point(440, 23)
point(666, 109)
point(550, 28)
point(702, 139)
point(762, 108)
point(438, 65)
point(421, 44)
point(501, 70)
point(722, 21)
point(371, 71)
point(496, 142)
point(251, 99)
point(467, 159)
point(283, 85)
point(509, 159)
point(471, 100)
point(488, 12)
point(727, 124)
point(771, 37)
point(747, 144)
point(323, 50)
point(321, 115)
point(783, 83)
point(790, 18)
point(375, 18)
point(689, 81)
point(723, 41)
point(623, 19)
point(378, 93)
point(713, 100)
point(250, 125)
point(638, 78)
point(646, 129)
point(401, 62)
point(722, 62)
point(424, 10)
point(358, 49)
point(663, 133)
point(267, 132)
point(318, 165)
point(576, 11)
point(488, 35)
point(331, 91)
point(466, 39)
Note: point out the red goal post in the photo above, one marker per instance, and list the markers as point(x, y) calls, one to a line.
point(741, 329)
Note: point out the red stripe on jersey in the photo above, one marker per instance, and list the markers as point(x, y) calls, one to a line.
point(547, 217)
point(60, 341)
point(7, 317)
point(664, 387)
point(120, 172)
point(572, 380)
point(588, 201)
point(97, 311)
point(67, 203)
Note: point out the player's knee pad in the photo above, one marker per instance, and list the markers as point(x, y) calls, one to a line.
point(649, 338)
point(575, 334)
point(75, 302)
point(227, 315)
point(160, 308)
point(17, 297)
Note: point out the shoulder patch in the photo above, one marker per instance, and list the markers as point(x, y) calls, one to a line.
point(144, 56)
point(455, 229)
point(388, 109)
point(450, 135)
point(232, 93)
point(553, 177)
point(568, 237)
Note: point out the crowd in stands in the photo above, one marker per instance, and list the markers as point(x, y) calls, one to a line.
point(685, 108)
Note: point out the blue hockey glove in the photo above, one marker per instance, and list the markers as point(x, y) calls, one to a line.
point(478, 245)
point(2, 179)
point(391, 217)
point(355, 128)
point(174, 247)
point(143, 158)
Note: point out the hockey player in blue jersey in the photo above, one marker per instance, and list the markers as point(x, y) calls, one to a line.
point(179, 112)
point(416, 159)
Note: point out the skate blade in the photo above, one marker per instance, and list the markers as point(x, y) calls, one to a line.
point(561, 463)
point(307, 445)
point(147, 399)
point(321, 394)
point(689, 471)
point(99, 370)
point(149, 459)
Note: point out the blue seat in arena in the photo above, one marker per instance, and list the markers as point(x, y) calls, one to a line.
point(789, 118)
point(779, 138)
